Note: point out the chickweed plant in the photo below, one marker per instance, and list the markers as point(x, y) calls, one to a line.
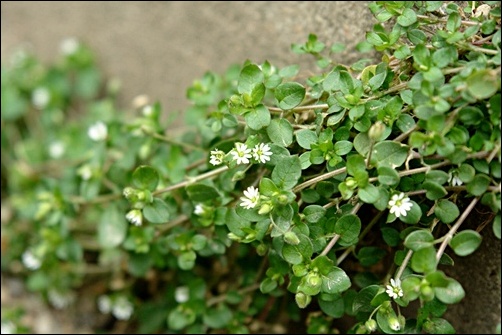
point(328, 203)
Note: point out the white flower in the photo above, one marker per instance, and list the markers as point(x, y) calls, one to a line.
point(69, 46)
point(135, 217)
point(56, 149)
point(199, 210)
point(104, 304)
point(181, 294)
point(85, 172)
point(60, 299)
point(262, 153)
point(8, 327)
point(122, 308)
point(241, 153)
point(394, 290)
point(98, 131)
point(454, 180)
point(217, 157)
point(40, 97)
point(31, 261)
point(147, 110)
point(399, 205)
point(251, 199)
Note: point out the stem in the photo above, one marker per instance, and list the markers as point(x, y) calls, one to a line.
point(300, 108)
point(169, 140)
point(322, 177)
point(455, 227)
point(406, 260)
point(195, 179)
point(336, 237)
point(432, 20)
point(214, 300)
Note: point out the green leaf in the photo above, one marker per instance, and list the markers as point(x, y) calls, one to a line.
point(313, 213)
point(369, 194)
point(446, 211)
point(249, 214)
point(289, 71)
point(421, 57)
point(362, 301)
point(157, 212)
point(451, 294)
point(355, 165)
point(478, 185)
point(258, 117)
point(444, 56)
point(348, 227)
point(465, 242)
point(145, 177)
point(389, 153)
point(280, 132)
point(407, 18)
point(342, 147)
point(249, 77)
point(434, 190)
point(437, 279)
point(180, 317)
point(305, 137)
point(369, 256)
point(112, 228)
point(482, 84)
point(286, 173)
point(414, 215)
point(186, 260)
point(390, 236)
point(362, 143)
point(438, 326)
point(334, 308)
point(296, 254)
point(496, 226)
point(268, 285)
point(217, 317)
point(289, 95)
point(268, 188)
point(201, 192)
point(336, 281)
point(454, 21)
point(470, 115)
point(388, 176)
point(419, 239)
point(424, 260)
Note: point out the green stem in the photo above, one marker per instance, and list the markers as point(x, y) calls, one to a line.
point(454, 228)
point(170, 140)
point(300, 108)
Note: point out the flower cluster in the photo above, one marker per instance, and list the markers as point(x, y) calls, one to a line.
point(119, 306)
point(241, 154)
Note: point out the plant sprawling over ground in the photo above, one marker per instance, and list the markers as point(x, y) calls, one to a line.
point(283, 201)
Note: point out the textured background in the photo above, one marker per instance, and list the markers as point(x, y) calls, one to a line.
point(159, 48)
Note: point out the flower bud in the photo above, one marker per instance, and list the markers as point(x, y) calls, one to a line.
point(282, 199)
point(376, 130)
point(314, 280)
point(234, 237)
point(302, 300)
point(291, 238)
point(261, 249)
point(265, 209)
point(394, 323)
point(351, 183)
point(426, 292)
point(371, 325)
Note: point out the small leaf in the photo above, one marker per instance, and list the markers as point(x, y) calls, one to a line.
point(258, 117)
point(313, 213)
point(217, 317)
point(280, 132)
point(388, 176)
point(112, 228)
point(289, 95)
point(407, 18)
point(434, 190)
point(201, 192)
point(305, 137)
point(348, 227)
point(478, 185)
point(451, 294)
point(335, 281)
point(157, 212)
point(414, 215)
point(390, 153)
point(249, 77)
point(424, 260)
point(369, 256)
point(369, 194)
point(419, 239)
point(438, 326)
point(334, 308)
point(484, 83)
point(465, 242)
point(145, 177)
point(286, 173)
point(446, 211)
point(296, 254)
point(342, 147)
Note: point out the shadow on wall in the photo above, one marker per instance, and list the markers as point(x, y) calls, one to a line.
point(159, 47)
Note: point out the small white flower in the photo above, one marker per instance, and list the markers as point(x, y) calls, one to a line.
point(40, 97)
point(251, 199)
point(104, 304)
point(85, 172)
point(454, 180)
point(8, 327)
point(399, 205)
point(31, 261)
point(181, 294)
point(241, 153)
point(147, 110)
point(60, 299)
point(98, 131)
point(122, 308)
point(56, 149)
point(217, 157)
point(394, 290)
point(69, 46)
point(262, 153)
point(135, 217)
point(199, 210)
